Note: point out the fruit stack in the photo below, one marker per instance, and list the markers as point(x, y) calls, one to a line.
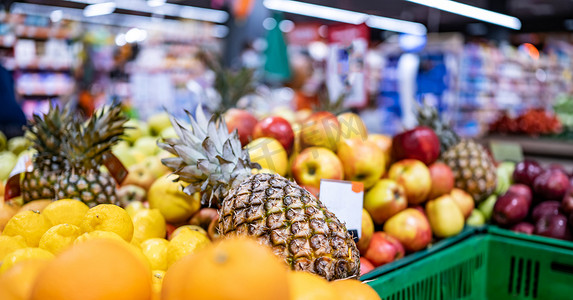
point(539, 201)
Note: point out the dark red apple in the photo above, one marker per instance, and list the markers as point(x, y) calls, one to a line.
point(544, 209)
point(523, 227)
point(526, 171)
point(510, 209)
point(204, 217)
point(553, 226)
point(557, 167)
point(551, 185)
point(383, 249)
point(243, 121)
point(420, 143)
point(442, 179)
point(365, 265)
point(567, 202)
point(277, 128)
point(521, 189)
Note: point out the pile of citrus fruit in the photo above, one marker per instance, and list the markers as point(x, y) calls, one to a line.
point(66, 250)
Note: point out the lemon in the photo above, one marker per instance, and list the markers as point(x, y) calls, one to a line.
point(157, 282)
point(108, 217)
point(148, 223)
point(59, 237)
point(155, 249)
point(10, 243)
point(133, 207)
point(98, 234)
point(188, 227)
point(270, 154)
point(66, 211)
point(24, 254)
point(186, 242)
point(31, 225)
point(172, 202)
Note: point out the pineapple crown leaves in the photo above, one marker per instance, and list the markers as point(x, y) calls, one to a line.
point(428, 116)
point(231, 85)
point(325, 104)
point(207, 156)
point(88, 142)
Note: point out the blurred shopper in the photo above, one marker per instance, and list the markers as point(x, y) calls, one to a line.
point(12, 118)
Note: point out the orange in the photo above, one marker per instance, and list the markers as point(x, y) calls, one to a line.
point(94, 269)
point(308, 286)
point(354, 289)
point(16, 283)
point(36, 205)
point(247, 269)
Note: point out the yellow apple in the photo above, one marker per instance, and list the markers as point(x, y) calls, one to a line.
point(321, 129)
point(384, 143)
point(135, 130)
point(269, 153)
point(464, 201)
point(140, 175)
point(385, 199)
point(147, 145)
point(124, 155)
point(137, 154)
point(362, 161)
point(411, 228)
point(445, 217)
point(314, 164)
point(351, 126)
point(415, 177)
point(173, 203)
point(158, 122)
point(153, 163)
point(366, 232)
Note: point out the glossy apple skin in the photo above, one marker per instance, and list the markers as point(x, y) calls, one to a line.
point(243, 121)
point(411, 228)
point(553, 226)
point(367, 229)
point(521, 189)
point(139, 175)
point(385, 199)
point(545, 209)
point(415, 177)
point(551, 185)
point(277, 128)
point(321, 129)
point(314, 164)
point(420, 143)
point(526, 171)
point(442, 179)
point(204, 217)
point(383, 249)
point(523, 227)
point(464, 201)
point(384, 143)
point(567, 202)
point(362, 161)
point(510, 209)
point(365, 265)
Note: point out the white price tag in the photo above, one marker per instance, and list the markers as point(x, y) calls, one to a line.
point(344, 199)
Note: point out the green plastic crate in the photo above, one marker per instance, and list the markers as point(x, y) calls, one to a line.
point(497, 264)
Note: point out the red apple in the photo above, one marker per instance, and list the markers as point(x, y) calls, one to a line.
point(442, 179)
point(362, 161)
point(365, 265)
point(411, 228)
point(526, 171)
point(546, 209)
point(366, 232)
point(169, 228)
point(314, 164)
point(420, 143)
point(385, 199)
point(521, 189)
point(551, 185)
point(553, 226)
point(567, 202)
point(311, 189)
point(415, 177)
point(275, 127)
point(212, 231)
point(139, 175)
point(464, 201)
point(204, 217)
point(523, 227)
point(243, 121)
point(321, 129)
point(383, 249)
point(510, 209)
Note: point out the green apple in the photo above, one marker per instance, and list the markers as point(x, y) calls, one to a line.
point(7, 162)
point(168, 132)
point(158, 122)
point(136, 130)
point(124, 155)
point(486, 207)
point(504, 177)
point(476, 218)
point(3, 141)
point(153, 163)
point(18, 144)
point(147, 145)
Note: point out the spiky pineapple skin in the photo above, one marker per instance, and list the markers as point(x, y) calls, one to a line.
point(39, 184)
point(473, 169)
point(91, 187)
point(293, 223)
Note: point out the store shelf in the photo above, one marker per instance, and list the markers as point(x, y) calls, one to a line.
point(541, 146)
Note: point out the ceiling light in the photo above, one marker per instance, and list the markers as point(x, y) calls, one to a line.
point(345, 16)
point(99, 9)
point(155, 3)
point(56, 16)
point(472, 12)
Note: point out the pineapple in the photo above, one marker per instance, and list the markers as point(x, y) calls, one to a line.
point(473, 168)
point(274, 210)
point(48, 134)
point(85, 149)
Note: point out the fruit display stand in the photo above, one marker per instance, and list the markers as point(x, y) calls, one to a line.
point(493, 263)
